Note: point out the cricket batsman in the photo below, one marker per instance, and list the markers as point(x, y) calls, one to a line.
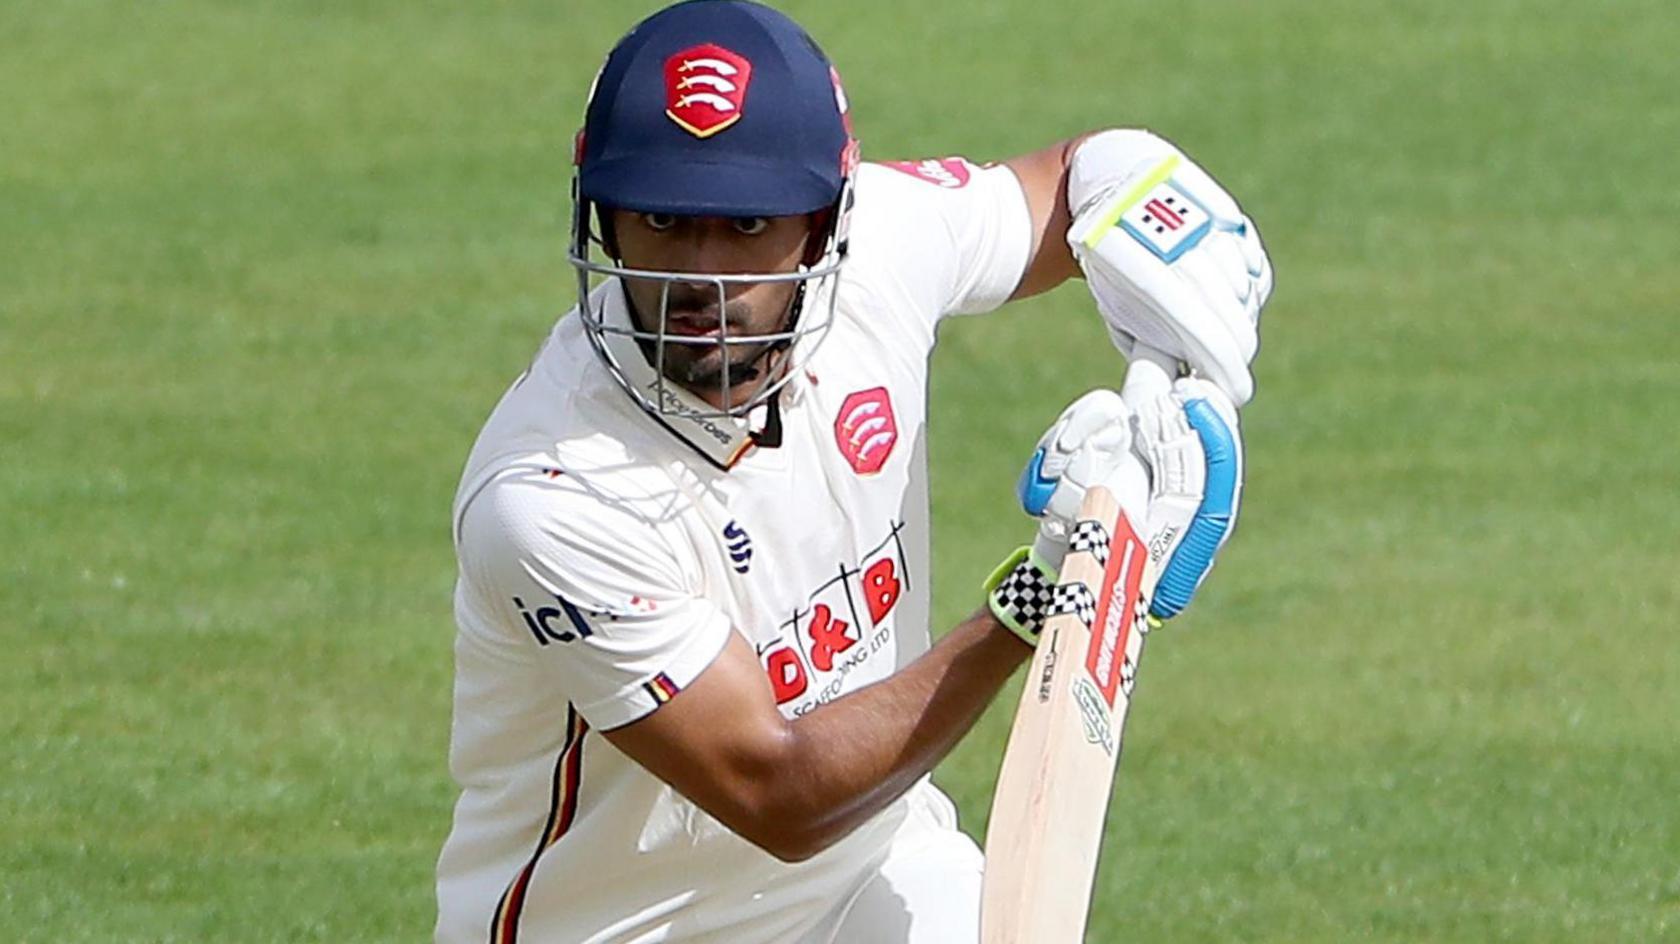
point(695, 696)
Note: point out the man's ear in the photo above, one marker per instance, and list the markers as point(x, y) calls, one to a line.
point(821, 225)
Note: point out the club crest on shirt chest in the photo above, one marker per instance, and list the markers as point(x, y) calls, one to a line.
point(866, 430)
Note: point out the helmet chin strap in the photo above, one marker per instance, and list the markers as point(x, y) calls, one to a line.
point(750, 369)
point(747, 371)
point(770, 436)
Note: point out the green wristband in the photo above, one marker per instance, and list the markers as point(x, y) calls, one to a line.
point(1019, 591)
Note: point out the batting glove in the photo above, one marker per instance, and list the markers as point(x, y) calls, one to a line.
point(1089, 444)
point(1169, 256)
point(1083, 446)
point(1174, 463)
point(1192, 445)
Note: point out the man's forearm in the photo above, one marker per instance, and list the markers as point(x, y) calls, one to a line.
point(852, 757)
point(1044, 180)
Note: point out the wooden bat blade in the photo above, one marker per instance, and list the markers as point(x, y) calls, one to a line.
point(1052, 794)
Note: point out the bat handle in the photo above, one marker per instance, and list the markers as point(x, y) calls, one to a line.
point(1150, 374)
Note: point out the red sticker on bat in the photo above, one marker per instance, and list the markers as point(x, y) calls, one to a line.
point(1118, 609)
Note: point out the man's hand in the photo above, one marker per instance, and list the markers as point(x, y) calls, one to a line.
point(1088, 445)
point(1173, 461)
point(1087, 442)
point(1194, 491)
point(1168, 255)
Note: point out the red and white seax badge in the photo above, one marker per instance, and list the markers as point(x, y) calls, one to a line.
point(949, 172)
point(866, 430)
point(706, 88)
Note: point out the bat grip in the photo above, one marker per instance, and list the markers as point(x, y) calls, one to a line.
point(1150, 374)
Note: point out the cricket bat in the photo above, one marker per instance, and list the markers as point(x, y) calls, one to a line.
point(1052, 792)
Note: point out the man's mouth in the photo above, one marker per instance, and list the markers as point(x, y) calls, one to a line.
point(693, 326)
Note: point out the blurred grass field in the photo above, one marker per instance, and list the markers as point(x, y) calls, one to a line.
point(264, 268)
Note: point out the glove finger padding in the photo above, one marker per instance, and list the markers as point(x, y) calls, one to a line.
point(1170, 450)
point(1082, 448)
point(1091, 436)
point(1207, 414)
point(1173, 462)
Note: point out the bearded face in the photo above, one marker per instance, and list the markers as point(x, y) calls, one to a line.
point(698, 316)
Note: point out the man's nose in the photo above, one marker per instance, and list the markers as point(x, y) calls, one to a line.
point(709, 249)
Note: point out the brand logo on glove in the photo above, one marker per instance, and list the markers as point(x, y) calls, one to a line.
point(866, 430)
point(1163, 542)
point(1167, 221)
point(706, 88)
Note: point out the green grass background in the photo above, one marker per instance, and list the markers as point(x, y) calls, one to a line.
point(265, 266)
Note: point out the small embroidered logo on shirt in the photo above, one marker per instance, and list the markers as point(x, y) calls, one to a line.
point(740, 546)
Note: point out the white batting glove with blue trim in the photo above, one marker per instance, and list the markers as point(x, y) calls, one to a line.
point(1174, 462)
point(1194, 491)
point(1084, 447)
point(1168, 255)
point(1090, 444)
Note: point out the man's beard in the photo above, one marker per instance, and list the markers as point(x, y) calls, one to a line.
point(700, 368)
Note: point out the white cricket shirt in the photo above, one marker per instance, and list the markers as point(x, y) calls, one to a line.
point(603, 565)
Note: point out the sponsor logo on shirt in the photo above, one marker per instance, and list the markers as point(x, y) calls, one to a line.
point(845, 623)
point(952, 173)
point(671, 403)
point(866, 430)
point(547, 625)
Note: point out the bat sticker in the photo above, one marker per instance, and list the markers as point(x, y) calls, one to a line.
point(1093, 709)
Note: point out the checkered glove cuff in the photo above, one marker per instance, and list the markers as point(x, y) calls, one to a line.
point(1019, 593)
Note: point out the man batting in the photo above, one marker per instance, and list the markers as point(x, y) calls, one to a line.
point(695, 696)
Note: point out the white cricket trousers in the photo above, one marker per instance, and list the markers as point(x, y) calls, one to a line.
point(927, 891)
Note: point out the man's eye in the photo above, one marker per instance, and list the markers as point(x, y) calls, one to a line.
point(751, 225)
point(659, 221)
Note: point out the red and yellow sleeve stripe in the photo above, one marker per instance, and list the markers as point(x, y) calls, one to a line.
point(661, 688)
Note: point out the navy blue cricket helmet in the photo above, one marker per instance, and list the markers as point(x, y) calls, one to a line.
point(712, 108)
point(716, 108)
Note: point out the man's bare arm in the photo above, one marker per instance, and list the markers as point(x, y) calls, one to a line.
point(1044, 178)
point(796, 787)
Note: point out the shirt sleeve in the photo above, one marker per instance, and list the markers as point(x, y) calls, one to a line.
point(955, 235)
point(592, 590)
